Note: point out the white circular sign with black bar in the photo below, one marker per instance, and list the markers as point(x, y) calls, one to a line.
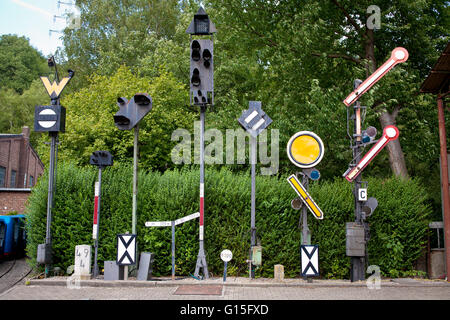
point(47, 123)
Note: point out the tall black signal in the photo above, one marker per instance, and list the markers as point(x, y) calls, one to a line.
point(201, 82)
point(202, 61)
point(202, 72)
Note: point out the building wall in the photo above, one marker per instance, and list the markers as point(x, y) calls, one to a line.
point(17, 154)
point(13, 200)
point(10, 151)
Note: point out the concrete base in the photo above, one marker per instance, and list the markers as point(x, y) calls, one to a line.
point(113, 271)
point(278, 272)
point(84, 276)
point(437, 263)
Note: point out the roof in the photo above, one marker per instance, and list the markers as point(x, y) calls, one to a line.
point(437, 80)
point(6, 135)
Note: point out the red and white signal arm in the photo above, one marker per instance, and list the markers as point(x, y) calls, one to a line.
point(389, 133)
point(398, 55)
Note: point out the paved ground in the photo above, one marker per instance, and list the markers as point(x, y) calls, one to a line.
point(62, 288)
point(32, 292)
point(13, 286)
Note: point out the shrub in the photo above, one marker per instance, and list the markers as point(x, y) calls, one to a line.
point(398, 225)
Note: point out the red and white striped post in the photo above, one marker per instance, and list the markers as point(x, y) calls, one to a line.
point(96, 204)
point(95, 227)
point(201, 257)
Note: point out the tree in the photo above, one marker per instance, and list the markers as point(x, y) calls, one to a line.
point(119, 32)
point(90, 125)
point(20, 63)
point(17, 110)
point(295, 42)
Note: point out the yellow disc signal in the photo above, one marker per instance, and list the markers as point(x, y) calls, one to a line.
point(305, 149)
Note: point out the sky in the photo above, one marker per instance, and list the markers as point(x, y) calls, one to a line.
point(34, 19)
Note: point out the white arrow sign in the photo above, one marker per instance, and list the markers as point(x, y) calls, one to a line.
point(169, 223)
point(158, 224)
point(187, 218)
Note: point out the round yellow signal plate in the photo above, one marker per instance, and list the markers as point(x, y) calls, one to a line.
point(305, 149)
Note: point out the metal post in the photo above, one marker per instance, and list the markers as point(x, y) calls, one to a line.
point(125, 268)
point(225, 272)
point(173, 250)
point(135, 177)
point(201, 259)
point(48, 237)
point(253, 201)
point(135, 192)
point(444, 183)
point(305, 229)
point(96, 270)
point(357, 263)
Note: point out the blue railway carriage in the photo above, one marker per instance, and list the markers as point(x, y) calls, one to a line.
point(12, 236)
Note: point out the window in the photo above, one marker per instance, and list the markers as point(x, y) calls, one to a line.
point(12, 182)
point(2, 176)
point(31, 181)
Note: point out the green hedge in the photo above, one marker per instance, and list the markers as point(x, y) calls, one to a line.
point(398, 225)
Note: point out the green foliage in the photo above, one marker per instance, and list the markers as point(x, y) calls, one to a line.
point(17, 110)
point(398, 225)
point(90, 125)
point(20, 63)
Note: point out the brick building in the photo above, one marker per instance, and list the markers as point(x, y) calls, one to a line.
point(20, 167)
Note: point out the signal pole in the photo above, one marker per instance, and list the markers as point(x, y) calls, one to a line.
point(201, 94)
point(357, 263)
point(357, 233)
point(51, 119)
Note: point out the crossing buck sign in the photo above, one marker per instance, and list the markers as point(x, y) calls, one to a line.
point(310, 260)
point(126, 249)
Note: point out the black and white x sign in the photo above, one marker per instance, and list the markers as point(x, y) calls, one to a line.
point(126, 249)
point(310, 260)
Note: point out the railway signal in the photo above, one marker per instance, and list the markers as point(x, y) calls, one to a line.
point(253, 120)
point(201, 94)
point(363, 206)
point(101, 159)
point(398, 55)
point(126, 249)
point(310, 260)
point(128, 117)
point(172, 224)
point(389, 133)
point(305, 197)
point(54, 89)
point(305, 150)
point(131, 112)
point(51, 119)
point(202, 60)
